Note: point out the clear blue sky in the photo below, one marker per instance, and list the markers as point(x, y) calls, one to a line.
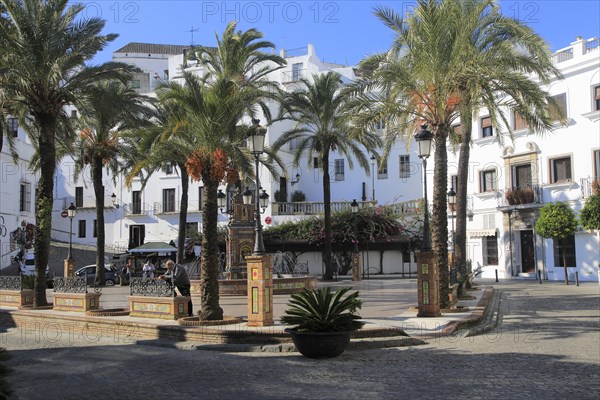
point(342, 31)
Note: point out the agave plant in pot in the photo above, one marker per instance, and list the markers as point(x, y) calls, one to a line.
point(322, 321)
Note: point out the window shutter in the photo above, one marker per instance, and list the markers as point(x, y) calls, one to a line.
point(486, 122)
point(597, 93)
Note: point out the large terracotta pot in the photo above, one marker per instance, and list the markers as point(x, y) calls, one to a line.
point(320, 344)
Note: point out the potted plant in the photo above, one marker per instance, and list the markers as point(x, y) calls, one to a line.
point(322, 321)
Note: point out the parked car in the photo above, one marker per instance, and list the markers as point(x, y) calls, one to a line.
point(89, 271)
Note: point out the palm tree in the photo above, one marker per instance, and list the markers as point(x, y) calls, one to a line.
point(108, 108)
point(208, 129)
point(46, 45)
point(412, 84)
point(439, 69)
point(501, 58)
point(321, 127)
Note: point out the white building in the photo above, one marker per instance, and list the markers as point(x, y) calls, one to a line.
point(557, 166)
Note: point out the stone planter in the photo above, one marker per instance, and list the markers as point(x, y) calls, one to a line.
point(320, 344)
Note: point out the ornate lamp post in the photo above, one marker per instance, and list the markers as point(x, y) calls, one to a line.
point(372, 176)
point(257, 140)
point(69, 263)
point(427, 264)
point(259, 265)
point(424, 139)
point(71, 214)
point(451, 203)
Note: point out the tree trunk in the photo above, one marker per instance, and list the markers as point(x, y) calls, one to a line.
point(439, 215)
point(209, 276)
point(100, 241)
point(328, 276)
point(460, 248)
point(45, 197)
point(183, 208)
point(565, 267)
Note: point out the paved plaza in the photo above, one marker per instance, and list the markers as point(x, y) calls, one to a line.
point(544, 342)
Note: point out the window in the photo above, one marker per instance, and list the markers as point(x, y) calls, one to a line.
point(490, 250)
point(558, 106)
point(564, 251)
point(200, 197)
point(25, 197)
point(315, 162)
point(382, 171)
point(293, 144)
point(73, 113)
point(95, 229)
point(13, 126)
point(560, 170)
point(168, 200)
point(521, 176)
point(168, 168)
point(488, 181)
point(135, 83)
point(454, 182)
point(81, 231)
point(136, 202)
point(596, 98)
point(486, 127)
point(457, 129)
point(518, 121)
point(404, 166)
point(79, 196)
point(339, 170)
point(296, 69)
point(380, 124)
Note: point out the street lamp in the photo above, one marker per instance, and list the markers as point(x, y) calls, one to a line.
point(354, 206)
point(373, 175)
point(71, 214)
point(222, 202)
point(257, 136)
point(113, 198)
point(424, 139)
point(451, 203)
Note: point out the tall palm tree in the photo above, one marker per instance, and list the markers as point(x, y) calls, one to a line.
point(234, 84)
point(107, 108)
point(321, 127)
point(46, 47)
point(502, 57)
point(436, 72)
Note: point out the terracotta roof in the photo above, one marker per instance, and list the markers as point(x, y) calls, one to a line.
point(152, 48)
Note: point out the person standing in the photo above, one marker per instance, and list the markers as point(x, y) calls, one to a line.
point(177, 275)
point(148, 269)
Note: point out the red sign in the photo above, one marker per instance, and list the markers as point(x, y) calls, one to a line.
point(64, 213)
point(268, 220)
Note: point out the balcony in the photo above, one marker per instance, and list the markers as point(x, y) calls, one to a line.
point(315, 208)
point(133, 209)
point(529, 194)
point(589, 185)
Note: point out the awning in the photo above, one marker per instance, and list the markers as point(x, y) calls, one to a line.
point(153, 247)
point(481, 233)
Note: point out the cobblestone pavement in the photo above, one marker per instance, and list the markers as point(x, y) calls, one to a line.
point(546, 345)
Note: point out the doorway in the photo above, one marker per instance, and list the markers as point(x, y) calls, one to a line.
point(136, 235)
point(527, 252)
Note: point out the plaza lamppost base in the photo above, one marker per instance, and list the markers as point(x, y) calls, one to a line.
point(428, 285)
point(69, 267)
point(260, 290)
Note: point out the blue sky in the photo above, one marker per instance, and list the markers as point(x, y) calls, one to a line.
point(341, 31)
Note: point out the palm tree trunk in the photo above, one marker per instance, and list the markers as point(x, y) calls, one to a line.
point(209, 275)
point(439, 215)
point(100, 239)
point(328, 276)
point(460, 248)
point(183, 208)
point(45, 197)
